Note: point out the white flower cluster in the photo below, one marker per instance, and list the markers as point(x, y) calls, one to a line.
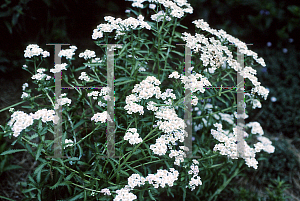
point(179, 154)
point(101, 117)
point(34, 50)
point(68, 143)
point(161, 178)
point(176, 8)
point(256, 104)
point(119, 25)
point(105, 191)
point(262, 91)
point(104, 92)
point(58, 68)
point(40, 75)
point(45, 115)
point(124, 194)
point(62, 101)
point(227, 117)
point(68, 53)
point(256, 128)
point(24, 95)
point(87, 54)
point(20, 120)
point(173, 125)
point(212, 51)
point(158, 17)
point(191, 82)
point(84, 76)
point(229, 147)
point(267, 144)
point(132, 136)
point(240, 116)
point(24, 86)
point(195, 180)
point(94, 94)
point(222, 35)
point(102, 104)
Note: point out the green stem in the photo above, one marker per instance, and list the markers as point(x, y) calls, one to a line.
point(137, 146)
point(215, 112)
point(19, 103)
point(87, 135)
point(49, 97)
point(170, 41)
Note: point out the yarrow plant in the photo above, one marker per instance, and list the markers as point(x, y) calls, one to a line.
point(149, 95)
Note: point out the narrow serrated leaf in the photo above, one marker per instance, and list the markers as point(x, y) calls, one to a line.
point(12, 151)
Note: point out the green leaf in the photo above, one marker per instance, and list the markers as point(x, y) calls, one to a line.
point(8, 27)
point(78, 124)
point(6, 198)
point(184, 192)
point(151, 196)
point(119, 83)
point(12, 151)
point(92, 64)
point(39, 150)
point(14, 19)
point(25, 106)
point(134, 170)
point(11, 167)
point(125, 173)
point(80, 68)
point(58, 183)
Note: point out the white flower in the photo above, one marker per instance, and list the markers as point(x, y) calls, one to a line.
point(152, 6)
point(175, 75)
point(63, 101)
point(87, 54)
point(34, 50)
point(101, 104)
point(256, 128)
point(269, 44)
point(45, 54)
point(132, 136)
point(24, 86)
point(160, 16)
point(106, 191)
point(58, 68)
point(24, 95)
point(256, 104)
point(40, 75)
point(84, 76)
point(20, 120)
point(68, 143)
point(124, 194)
point(68, 53)
point(101, 117)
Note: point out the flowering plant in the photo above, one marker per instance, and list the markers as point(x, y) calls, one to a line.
point(149, 97)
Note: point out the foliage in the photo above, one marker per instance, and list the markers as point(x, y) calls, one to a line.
point(144, 55)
